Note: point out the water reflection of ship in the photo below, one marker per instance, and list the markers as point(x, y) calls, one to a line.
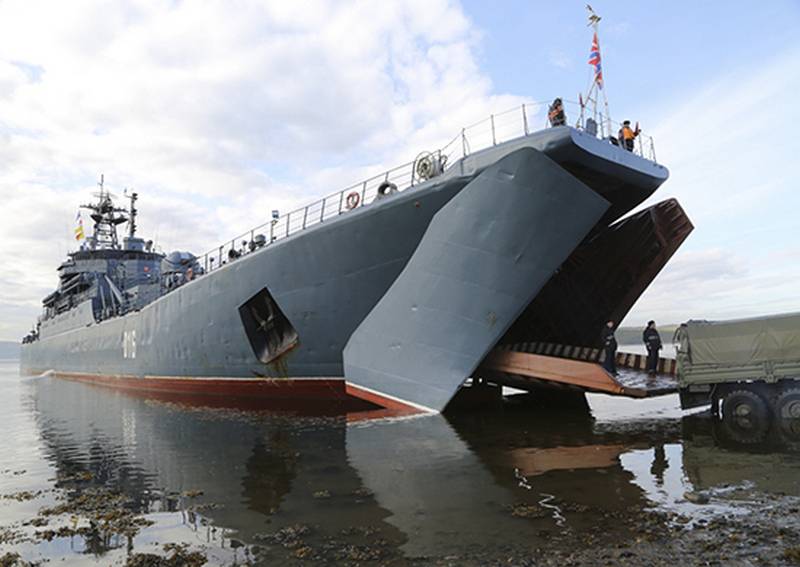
point(259, 469)
point(580, 457)
point(431, 484)
point(270, 471)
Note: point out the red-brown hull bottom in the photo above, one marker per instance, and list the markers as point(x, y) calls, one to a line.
point(302, 396)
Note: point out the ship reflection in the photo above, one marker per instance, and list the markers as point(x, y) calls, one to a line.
point(428, 485)
point(269, 473)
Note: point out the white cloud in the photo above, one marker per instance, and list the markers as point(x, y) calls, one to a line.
point(715, 284)
point(214, 112)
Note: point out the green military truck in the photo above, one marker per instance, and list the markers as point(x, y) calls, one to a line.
point(747, 369)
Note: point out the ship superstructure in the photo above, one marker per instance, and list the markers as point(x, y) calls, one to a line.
point(107, 276)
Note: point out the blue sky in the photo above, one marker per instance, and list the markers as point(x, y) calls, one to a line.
point(653, 51)
point(217, 116)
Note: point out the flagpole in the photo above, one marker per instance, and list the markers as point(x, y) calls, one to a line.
point(594, 21)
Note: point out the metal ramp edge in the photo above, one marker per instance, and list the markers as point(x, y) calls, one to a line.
point(537, 370)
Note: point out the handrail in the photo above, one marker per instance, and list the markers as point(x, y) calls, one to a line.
point(498, 128)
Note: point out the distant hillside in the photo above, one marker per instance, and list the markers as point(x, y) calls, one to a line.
point(633, 335)
point(9, 349)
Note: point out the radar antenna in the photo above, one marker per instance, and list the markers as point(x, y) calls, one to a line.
point(594, 19)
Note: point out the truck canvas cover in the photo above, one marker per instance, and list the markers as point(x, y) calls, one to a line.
point(744, 341)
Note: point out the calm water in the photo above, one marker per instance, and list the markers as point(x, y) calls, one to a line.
point(420, 487)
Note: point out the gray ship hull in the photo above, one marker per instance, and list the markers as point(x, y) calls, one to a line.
point(325, 281)
point(328, 278)
point(470, 277)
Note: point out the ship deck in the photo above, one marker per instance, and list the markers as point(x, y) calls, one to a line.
point(624, 178)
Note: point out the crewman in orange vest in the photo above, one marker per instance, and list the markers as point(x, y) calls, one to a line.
point(627, 135)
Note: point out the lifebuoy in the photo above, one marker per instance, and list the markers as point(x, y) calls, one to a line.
point(352, 200)
point(386, 187)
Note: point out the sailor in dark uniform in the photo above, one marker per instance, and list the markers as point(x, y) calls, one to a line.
point(652, 340)
point(610, 347)
point(555, 114)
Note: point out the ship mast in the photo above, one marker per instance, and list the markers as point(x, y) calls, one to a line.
point(106, 218)
point(596, 89)
point(132, 215)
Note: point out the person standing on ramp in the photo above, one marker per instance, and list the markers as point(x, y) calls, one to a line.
point(652, 340)
point(610, 348)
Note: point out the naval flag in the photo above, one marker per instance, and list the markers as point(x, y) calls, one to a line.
point(594, 60)
point(79, 228)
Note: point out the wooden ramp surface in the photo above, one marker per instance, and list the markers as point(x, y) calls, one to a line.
point(542, 371)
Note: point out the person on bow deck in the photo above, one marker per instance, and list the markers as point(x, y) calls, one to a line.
point(652, 341)
point(627, 135)
point(610, 348)
point(555, 113)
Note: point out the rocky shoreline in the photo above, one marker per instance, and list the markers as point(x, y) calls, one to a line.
point(761, 529)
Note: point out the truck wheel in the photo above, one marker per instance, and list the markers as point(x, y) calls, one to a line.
point(787, 411)
point(746, 416)
point(788, 404)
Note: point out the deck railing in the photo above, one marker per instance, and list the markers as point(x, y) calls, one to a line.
point(498, 128)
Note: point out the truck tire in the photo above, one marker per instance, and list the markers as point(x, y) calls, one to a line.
point(787, 405)
point(746, 416)
point(787, 412)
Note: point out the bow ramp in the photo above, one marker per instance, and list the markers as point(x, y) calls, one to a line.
point(483, 258)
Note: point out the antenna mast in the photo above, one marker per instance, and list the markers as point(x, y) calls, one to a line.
point(596, 88)
point(132, 215)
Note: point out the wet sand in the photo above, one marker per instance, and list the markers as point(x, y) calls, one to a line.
point(91, 476)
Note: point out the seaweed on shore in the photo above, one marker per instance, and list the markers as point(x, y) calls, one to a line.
point(108, 514)
point(178, 556)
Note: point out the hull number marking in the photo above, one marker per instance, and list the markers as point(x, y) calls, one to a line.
point(129, 344)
